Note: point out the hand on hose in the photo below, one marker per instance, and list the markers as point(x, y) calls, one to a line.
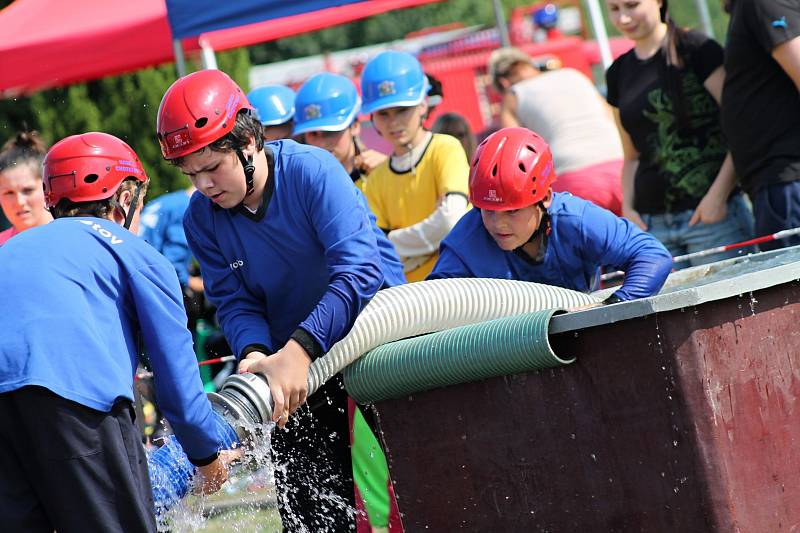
point(211, 477)
point(287, 374)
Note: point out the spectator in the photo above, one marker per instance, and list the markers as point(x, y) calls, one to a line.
point(71, 457)
point(457, 126)
point(289, 258)
point(420, 192)
point(523, 230)
point(21, 194)
point(678, 181)
point(327, 117)
point(566, 109)
point(761, 110)
point(274, 105)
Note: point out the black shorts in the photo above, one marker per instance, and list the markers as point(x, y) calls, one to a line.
point(70, 468)
point(313, 467)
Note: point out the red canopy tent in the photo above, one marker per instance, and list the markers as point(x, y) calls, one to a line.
point(49, 43)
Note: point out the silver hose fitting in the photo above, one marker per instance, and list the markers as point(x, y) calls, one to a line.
point(244, 401)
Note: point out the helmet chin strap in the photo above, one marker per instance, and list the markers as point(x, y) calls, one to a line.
point(249, 170)
point(544, 228)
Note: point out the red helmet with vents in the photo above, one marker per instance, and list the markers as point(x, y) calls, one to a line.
point(196, 110)
point(512, 168)
point(88, 167)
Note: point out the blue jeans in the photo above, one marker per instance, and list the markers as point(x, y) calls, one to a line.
point(674, 232)
point(777, 207)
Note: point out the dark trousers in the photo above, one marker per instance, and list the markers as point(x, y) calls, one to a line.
point(69, 468)
point(777, 207)
point(313, 468)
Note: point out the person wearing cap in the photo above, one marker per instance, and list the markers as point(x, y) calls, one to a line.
point(71, 456)
point(566, 109)
point(420, 192)
point(289, 258)
point(522, 230)
point(327, 117)
point(274, 107)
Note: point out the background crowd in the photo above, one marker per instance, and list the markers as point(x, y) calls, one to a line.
point(692, 145)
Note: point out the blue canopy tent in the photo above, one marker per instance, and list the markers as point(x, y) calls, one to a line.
point(224, 25)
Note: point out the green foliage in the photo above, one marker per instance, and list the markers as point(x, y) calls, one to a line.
point(125, 106)
point(381, 28)
point(396, 24)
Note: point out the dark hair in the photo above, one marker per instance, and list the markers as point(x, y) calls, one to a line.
point(674, 66)
point(97, 208)
point(246, 126)
point(457, 126)
point(26, 148)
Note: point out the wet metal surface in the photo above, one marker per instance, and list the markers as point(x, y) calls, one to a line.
point(682, 420)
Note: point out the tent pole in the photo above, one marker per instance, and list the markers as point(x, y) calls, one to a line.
point(600, 35)
point(500, 21)
point(207, 56)
point(180, 62)
point(705, 17)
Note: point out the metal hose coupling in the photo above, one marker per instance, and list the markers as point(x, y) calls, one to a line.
point(245, 402)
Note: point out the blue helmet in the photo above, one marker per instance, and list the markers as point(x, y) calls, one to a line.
point(326, 102)
point(393, 79)
point(546, 17)
point(274, 104)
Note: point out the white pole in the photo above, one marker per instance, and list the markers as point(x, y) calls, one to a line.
point(600, 35)
point(500, 21)
point(180, 62)
point(705, 17)
point(207, 57)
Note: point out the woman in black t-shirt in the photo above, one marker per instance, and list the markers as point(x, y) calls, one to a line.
point(678, 180)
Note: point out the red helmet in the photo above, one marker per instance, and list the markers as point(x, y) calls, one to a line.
point(88, 167)
point(512, 168)
point(197, 110)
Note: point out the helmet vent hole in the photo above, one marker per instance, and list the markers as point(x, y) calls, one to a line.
point(522, 167)
point(494, 171)
point(91, 178)
point(200, 122)
point(532, 149)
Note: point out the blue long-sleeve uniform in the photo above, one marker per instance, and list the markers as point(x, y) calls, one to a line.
point(583, 238)
point(307, 259)
point(76, 293)
point(161, 225)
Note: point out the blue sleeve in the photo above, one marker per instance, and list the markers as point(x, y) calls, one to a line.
point(449, 265)
point(162, 320)
point(176, 249)
point(241, 315)
point(614, 241)
point(351, 252)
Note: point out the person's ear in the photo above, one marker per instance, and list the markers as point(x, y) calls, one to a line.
point(355, 128)
point(125, 199)
point(250, 148)
point(548, 200)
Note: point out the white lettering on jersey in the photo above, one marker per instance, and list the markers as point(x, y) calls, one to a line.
point(102, 231)
point(236, 264)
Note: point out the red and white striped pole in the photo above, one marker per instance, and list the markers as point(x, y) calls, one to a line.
point(711, 251)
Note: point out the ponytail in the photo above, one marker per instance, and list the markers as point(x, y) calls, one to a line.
point(675, 65)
